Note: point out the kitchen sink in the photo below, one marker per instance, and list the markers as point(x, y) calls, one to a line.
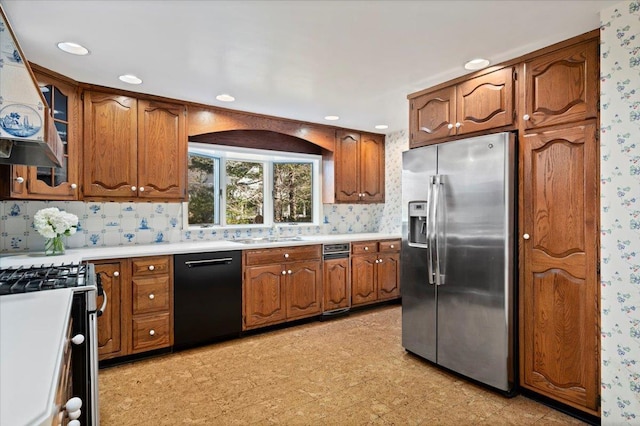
point(262, 240)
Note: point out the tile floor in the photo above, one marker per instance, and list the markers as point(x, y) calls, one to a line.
point(347, 371)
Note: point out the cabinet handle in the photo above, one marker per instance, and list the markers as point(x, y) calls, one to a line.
point(458, 125)
point(133, 188)
point(526, 236)
point(141, 189)
point(151, 267)
point(449, 126)
point(78, 339)
point(20, 179)
point(74, 186)
point(152, 332)
point(286, 255)
point(289, 272)
point(152, 296)
point(116, 274)
point(526, 117)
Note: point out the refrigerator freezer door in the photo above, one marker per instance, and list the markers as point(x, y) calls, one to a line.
point(474, 301)
point(418, 296)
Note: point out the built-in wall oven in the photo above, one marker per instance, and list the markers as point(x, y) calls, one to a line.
point(81, 278)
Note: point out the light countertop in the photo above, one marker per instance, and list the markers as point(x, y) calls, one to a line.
point(114, 252)
point(33, 330)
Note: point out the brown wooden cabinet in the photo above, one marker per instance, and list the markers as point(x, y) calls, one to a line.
point(359, 167)
point(139, 312)
point(133, 149)
point(336, 284)
point(559, 302)
point(281, 284)
point(375, 271)
point(47, 183)
point(561, 86)
point(477, 104)
point(110, 325)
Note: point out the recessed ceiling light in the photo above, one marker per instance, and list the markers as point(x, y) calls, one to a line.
point(225, 98)
point(73, 48)
point(381, 126)
point(332, 117)
point(476, 64)
point(130, 78)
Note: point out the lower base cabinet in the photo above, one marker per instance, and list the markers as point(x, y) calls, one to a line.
point(375, 271)
point(336, 284)
point(138, 316)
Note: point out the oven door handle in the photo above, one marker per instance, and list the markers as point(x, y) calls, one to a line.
point(100, 311)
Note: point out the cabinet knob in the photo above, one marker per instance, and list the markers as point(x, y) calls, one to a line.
point(458, 125)
point(74, 404)
point(289, 272)
point(116, 274)
point(151, 267)
point(78, 339)
point(74, 186)
point(286, 255)
point(284, 272)
point(133, 188)
point(20, 179)
point(526, 117)
point(74, 423)
point(74, 415)
point(526, 236)
point(391, 246)
point(141, 189)
point(152, 332)
point(366, 249)
point(449, 126)
point(152, 296)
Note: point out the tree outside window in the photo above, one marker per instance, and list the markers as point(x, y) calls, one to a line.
point(292, 193)
point(245, 192)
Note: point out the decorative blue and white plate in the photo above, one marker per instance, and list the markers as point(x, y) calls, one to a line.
point(20, 120)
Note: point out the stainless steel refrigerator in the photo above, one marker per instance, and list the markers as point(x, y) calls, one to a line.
point(457, 267)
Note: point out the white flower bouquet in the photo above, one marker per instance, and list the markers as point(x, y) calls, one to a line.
point(53, 224)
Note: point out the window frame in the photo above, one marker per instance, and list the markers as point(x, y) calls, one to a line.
point(268, 158)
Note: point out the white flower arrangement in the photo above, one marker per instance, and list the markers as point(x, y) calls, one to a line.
point(52, 224)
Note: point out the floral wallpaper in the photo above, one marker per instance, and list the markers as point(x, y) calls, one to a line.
point(396, 143)
point(620, 213)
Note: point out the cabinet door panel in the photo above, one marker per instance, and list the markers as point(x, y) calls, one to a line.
point(363, 279)
point(162, 150)
point(337, 284)
point(347, 173)
point(430, 116)
point(304, 289)
point(264, 295)
point(389, 276)
point(562, 86)
point(109, 323)
point(110, 145)
point(485, 102)
point(559, 298)
point(372, 168)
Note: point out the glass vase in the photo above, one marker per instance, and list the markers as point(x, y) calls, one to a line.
point(54, 246)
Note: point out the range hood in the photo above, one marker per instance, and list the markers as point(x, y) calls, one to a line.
point(28, 133)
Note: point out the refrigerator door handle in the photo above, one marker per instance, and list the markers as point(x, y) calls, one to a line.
point(429, 231)
point(438, 182)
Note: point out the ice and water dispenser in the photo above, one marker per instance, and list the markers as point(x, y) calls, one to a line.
point(418, 213)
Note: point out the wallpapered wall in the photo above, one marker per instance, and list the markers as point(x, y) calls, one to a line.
point(112, 224)
point(620, 213)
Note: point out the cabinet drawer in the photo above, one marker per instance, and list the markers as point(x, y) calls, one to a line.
point(151, 332)
point(364, 247)
point(150, 265)
point(150, 294)
point(389, 245)
point(282, 254)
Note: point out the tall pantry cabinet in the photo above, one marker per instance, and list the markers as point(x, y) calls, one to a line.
point(559, 278)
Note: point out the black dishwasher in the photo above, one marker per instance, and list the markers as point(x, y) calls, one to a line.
point(207, 297)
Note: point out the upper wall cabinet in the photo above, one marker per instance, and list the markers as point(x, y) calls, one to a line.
point(480, 103)
point(359, 162)
point(133, 149)
point(51, 183)
point(562, 86)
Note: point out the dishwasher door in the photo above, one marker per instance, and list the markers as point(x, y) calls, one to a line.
point(207, 297)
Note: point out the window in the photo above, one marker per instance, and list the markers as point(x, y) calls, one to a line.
point(244, 187)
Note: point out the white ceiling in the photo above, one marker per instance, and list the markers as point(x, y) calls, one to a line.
point(295, 59)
